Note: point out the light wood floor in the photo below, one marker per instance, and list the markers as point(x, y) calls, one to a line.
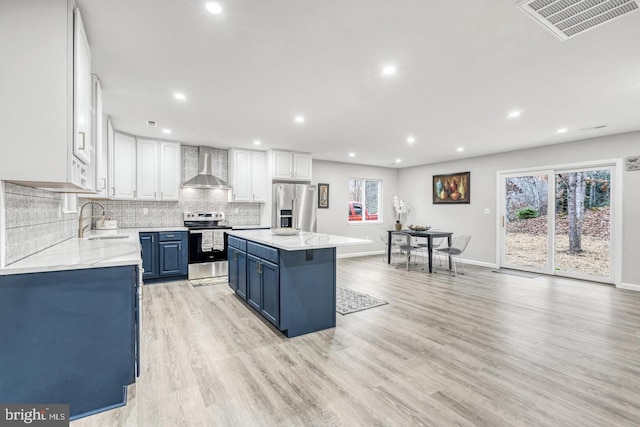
point(480, 349)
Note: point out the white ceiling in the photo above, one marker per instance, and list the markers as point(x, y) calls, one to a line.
point(462, 66)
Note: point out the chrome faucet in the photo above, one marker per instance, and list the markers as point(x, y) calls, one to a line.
point(81, 227)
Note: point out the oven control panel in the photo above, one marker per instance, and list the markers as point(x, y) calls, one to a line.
point(204, 216)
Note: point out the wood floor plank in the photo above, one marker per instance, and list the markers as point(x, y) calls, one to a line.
point(475, 349)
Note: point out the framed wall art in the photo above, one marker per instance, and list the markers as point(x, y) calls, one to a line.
point(323, 196)
point(453, 188)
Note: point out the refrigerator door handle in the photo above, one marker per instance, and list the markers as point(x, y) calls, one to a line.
point(294, 213)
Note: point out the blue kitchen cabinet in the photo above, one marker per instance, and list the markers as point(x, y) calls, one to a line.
point(238, 271)
point(270, 307)
point(264, 287)
point(70, 337)
point(166, 254)
point(148, 242)
point(294, 290)
point(254, 282)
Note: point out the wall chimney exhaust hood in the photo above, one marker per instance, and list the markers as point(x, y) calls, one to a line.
point(205, 177)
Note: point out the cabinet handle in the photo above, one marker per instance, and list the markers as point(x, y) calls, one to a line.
point(162, 194)
point(179, 246)
point(134, 194)
point(81, 145)
point(113, 189)
point(258, 265)
point(170, 235)
point(235, 256)
point(155, 194)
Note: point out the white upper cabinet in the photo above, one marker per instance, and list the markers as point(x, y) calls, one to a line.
point(100, 146)
point(290, 166)
point(247, 175)
point(147, 176)
point(37, 82)
point(158, 170)
point(124, 166)
point(82, 86)
point(170, 177)
point(259, 175)
point(302, 166)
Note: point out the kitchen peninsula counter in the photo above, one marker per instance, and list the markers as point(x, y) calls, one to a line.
point(99, 248)
point(289, 280)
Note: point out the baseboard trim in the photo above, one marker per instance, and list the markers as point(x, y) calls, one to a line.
point(359, 254)
point(478, 263)
point(629, 287)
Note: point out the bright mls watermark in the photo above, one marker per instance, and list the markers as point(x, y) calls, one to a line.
point(34, 415)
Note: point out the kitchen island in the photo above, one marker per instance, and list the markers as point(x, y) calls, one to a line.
point(289, 280)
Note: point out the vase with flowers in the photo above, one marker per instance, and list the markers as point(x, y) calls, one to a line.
point(400, 209)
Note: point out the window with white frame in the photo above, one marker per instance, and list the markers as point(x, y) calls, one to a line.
point(365, 200)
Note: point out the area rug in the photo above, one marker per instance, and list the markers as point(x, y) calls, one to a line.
point(220, 280)
point(519, 273)
point(350, 301)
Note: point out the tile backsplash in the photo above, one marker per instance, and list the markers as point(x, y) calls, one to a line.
point(34, 221)
point(34, 218)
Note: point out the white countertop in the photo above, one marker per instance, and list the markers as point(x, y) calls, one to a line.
point(301, 241)
point(88, 252)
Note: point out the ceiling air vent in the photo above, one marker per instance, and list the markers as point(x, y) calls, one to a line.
point(568, 18)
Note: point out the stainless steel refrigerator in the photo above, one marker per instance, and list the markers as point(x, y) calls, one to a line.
point(294, 205)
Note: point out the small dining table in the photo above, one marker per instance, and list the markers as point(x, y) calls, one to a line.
point(429, 235)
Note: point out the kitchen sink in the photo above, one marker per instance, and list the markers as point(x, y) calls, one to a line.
point(107, 237)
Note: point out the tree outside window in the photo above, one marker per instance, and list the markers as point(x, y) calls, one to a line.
point(365, 197)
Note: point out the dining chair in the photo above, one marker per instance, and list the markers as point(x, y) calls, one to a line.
point(458, 246)
point(401, 244)
point(384, 237)
point(439, 242)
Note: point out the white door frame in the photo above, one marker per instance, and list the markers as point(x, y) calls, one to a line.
point(615, 202)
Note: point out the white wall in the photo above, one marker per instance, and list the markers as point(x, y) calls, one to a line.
point(335, 219)
point(415, 188)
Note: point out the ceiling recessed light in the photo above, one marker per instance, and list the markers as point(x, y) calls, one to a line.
point(166, 130)
point(515, 114)
point(352, 154)
point(563, 130)
point(180, 96)
point(257, 142)
point(398, 160)
point(152, 123)
point(214, 8)
point(460, 149)
point(299, 118)
point(411, 139)
point(389, 70)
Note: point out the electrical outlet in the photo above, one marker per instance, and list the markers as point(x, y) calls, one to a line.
point(487, 211)
point(236, 210)
point(145, 211)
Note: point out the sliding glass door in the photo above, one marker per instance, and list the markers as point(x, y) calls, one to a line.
point(525, 222)
point(558, 221)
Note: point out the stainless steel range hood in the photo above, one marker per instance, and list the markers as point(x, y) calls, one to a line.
point(205, 177)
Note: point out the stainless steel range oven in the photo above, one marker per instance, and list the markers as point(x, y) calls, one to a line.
point(207, 244)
